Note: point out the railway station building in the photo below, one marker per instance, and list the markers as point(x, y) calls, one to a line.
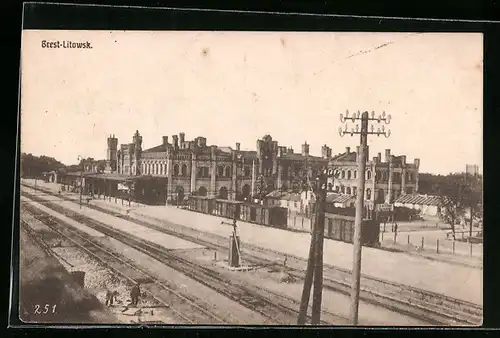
point(386, 179)
point(194, 168)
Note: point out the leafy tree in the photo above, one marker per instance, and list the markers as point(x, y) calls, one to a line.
point(459, 194)
point(261, 187)
point(35, 166)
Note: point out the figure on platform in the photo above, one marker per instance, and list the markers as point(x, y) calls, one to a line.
point(135, 293)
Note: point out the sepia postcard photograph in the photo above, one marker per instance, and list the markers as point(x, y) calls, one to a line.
point(251, 178)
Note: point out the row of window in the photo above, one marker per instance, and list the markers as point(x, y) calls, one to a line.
point(383, 176)
point(155, 168)
point(343, 189)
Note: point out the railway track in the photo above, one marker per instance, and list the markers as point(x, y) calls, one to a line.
point(276, 307)
point(182, 306)
point(431, 307)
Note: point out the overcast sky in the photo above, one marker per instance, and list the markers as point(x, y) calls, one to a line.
point(238, 86)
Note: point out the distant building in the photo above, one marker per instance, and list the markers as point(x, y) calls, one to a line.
point(426, 204)
point(385, 180)
point(340, 200)
point(195, 168)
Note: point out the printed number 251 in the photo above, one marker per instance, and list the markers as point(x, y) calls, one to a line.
point(45, 309)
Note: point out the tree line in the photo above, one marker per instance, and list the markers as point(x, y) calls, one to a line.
point(34, 166)
point(461, 196)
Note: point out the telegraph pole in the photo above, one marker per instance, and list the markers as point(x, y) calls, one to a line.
point(308, 280)
point(314, 271)
point(357, 245)
point(318, 253)
point(81, 179)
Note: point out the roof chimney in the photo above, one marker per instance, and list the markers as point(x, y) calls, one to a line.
point(379, 157)
point(326, 151)
point(403, 159)
point(165, 140)
point(387, 155)
point(238, 146)
point(305, 149)
point(175, 140)
point(348, 150)
point(417, 162)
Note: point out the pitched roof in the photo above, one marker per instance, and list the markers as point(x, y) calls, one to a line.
point(249, 154)
point(339, 198)
point(157, 149)
point(397, 159)
point(345, 157)
point(419, 199)
point(226, 149)
point(299, 157)
point(286, 196)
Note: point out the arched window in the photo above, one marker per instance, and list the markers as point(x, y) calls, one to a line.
point(330, 187)
point(343, 174)
point(228, 171)
point(368, 174)
point(406, 177)
point(176, 169)
point(184, 169)
point(354, 190)
point(245, 191)
point(220, 171)
point(203, 172)
point(337, 188)
point(223, 193)
point(342, 189)
point(156, 169)
point(368, 194)
point(348, 174)
point(381, 196)
point(149, 168)
point(355, 173)
point(202, 191)
point(247, 172)
point(348, 190)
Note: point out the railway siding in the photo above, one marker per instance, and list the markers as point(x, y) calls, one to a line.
point(271, 306)
point(452, 311)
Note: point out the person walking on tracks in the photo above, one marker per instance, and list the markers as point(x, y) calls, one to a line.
point(110, 296)
point(135, 294)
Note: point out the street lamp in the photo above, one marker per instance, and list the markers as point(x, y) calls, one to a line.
point(363, 132)
point(80, 158)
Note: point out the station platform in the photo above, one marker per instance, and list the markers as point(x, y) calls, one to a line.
point(461, 282)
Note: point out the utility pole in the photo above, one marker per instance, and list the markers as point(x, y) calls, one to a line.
point(308, 280)
point(468, 184)
point(357, 245)
point(314, 270)
point(81, 179)
point(318, 253)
